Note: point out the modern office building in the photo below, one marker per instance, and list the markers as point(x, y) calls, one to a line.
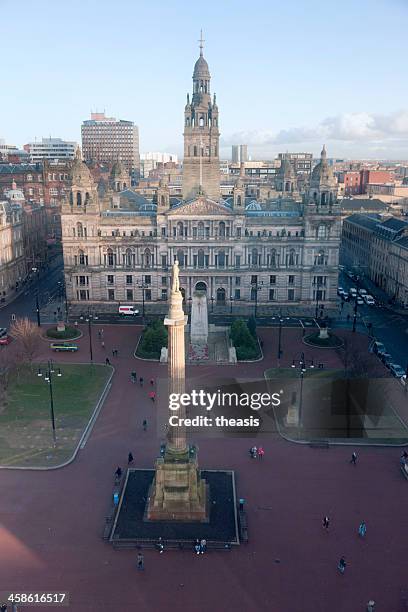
point(107, 140)
point(50, 148)
point(239, 153)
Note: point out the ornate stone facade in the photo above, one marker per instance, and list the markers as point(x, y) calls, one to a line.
point(118, 243)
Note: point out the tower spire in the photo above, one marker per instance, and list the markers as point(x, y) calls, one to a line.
point(201, 41)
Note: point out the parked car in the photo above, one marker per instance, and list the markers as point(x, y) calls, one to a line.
point(5, 340)
point(340, 290)
point(353, 291)
point(64, 346)
point(362, 292)
point(396, 370)
point(369, 300)
point(360, 301)
point(379, 347)
point(385, 356)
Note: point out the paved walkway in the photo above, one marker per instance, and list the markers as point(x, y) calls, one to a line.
point(51, 523)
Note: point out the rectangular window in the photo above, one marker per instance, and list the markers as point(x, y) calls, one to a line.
point(84, 294)
point(237, 295)
point(238, 281)
point(237, 261)
point(164, 294)
point(164, 281)
point(163, 231)
point(111, 295)
point(129, 279)
point(164, 261)
point(291, 280)
point(254, 279)
point(129, 295)
point(238, 232)
point(110, 279)
point(147, 279)
point(291, 295)
point(271, 294)
point(148, 295)
point(272, 280)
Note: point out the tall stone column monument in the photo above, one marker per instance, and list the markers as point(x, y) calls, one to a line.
point(177, 492)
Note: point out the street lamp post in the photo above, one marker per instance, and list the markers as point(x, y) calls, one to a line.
point(37, 303)
point(48, 379)
point(355, 305)
point(256, 288)
point(212, 303)
point(89, 318)
point(190, 300)
point(302, 370)
point(317, 300)
point(143, 286)
point(231, 300)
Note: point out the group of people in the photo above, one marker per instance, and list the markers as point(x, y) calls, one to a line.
point(256, 452)
point(200, 546)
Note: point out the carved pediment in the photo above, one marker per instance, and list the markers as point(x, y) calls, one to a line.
point(200, 206)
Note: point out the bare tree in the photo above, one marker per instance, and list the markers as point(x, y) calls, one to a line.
point(28, 336)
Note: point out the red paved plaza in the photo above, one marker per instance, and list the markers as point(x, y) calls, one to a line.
point(51, 522)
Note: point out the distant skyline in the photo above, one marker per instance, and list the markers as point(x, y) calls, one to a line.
point(288, 76)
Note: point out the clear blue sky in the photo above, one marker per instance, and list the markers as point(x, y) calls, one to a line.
point(288, 75)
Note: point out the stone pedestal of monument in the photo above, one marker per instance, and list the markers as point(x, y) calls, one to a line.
point(199, 319)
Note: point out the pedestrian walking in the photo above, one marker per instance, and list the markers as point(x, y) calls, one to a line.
point(99, 334)
point(261, 452)
point(113, 352)
point(326, 522)
point(130, 458)
point(160, 546)
point(152, 395)
point(253, 452)
point(107, 362)
point(115, 498)
point(140, 561)
point(203, 546)
point(141, 381)
point(133, 377)
point(342, 565)
point(102, 332)
point(371, 606)
point(353, 459)
point(362, 529)
point(152, 381)
point(116, 352)
point(144, 424)
point(197, 547)
point(102, 344)
point(118, 473)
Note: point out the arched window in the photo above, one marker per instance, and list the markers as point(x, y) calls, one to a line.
point(71, 198)
point(221, 259)
point(201, 230)
point(292, 257)
point(187, 121)
point(320, 258)
point(254, 258)
point(201, 122)
point(79, 198)
point(315, 197)
point(81, 258)
point(109, 253)
point(80, 230)
point(181, 258)
point(323, 198)
point(200, 258)
point(331, 198)
point(128, 258)
point(87, 198)
point(180, 229)
point(147, 258)
point(273, 258)
point(221, 229)
point(162, 200)
point(239, 201)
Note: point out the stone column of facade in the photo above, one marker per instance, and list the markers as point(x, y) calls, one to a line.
point(178, 493)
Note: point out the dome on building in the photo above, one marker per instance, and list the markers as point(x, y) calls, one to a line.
point(80, 171)
point(286, 169)
point(201, 70)
point(322, 173)
point(117, 169)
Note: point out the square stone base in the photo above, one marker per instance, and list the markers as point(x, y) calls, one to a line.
point(130, 527)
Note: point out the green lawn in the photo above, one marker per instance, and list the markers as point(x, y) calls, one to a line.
point(25, 422)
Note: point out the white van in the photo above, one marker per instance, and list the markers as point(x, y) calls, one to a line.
point(128, 310)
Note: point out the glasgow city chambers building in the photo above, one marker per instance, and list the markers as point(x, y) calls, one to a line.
point(276, 246)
